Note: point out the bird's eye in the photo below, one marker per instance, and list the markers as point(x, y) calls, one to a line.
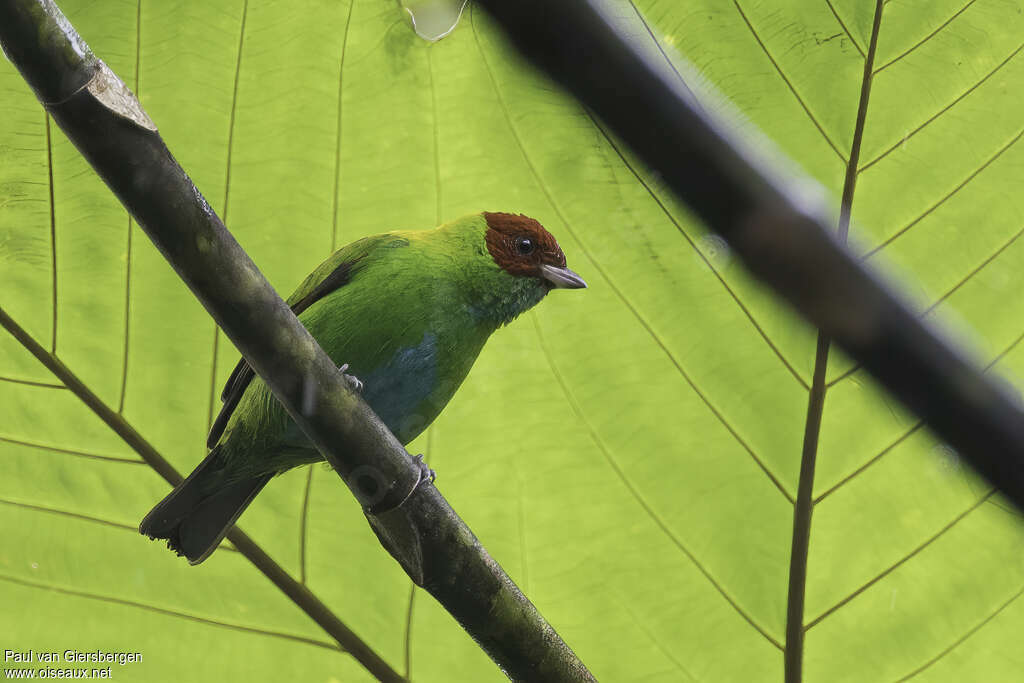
point(524, 245)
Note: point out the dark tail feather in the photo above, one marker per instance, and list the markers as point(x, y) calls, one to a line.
point(197, 514)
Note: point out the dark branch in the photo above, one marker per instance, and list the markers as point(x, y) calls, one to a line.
point(767, 220)
point(414, 522)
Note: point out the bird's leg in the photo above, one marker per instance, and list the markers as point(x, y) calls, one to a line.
point(426, 472)
point(356, 383)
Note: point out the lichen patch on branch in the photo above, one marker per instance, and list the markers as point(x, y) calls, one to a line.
point(113, 94)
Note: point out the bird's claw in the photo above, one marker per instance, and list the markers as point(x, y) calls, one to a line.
point(426, 472)
point(357, 384)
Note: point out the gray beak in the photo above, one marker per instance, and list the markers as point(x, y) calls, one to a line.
point(562, 278)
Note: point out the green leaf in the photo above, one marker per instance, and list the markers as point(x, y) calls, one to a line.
point(630, 454)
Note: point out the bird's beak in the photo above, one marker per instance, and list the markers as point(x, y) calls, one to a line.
point(562, 278)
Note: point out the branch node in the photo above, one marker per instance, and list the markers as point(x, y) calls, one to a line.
point(400, 537)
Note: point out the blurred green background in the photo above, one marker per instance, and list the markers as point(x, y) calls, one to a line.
point(630, 455)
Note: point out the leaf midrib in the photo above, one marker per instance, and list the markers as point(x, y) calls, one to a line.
point(804, 507)
point(211, 406)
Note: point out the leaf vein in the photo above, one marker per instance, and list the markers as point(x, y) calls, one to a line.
point(661, 49)
point(892, 238)
point(128, 248)
point(942, 111)
point(925, 39)
point(66, 451)
point(53, 238)
point(407, 634)
point(635, 493)
point(32, 383)
point(227, 192)
point(86, 518)
point(718, 275)
point(213, 383)
point(842, 482)
point(171, 613)
point(891, 568)
point(845, 29)
point(304, 526)
point(301, 596)
point(67, 513)
point(959, 641)
point(408, 630)
point(641, 623)
point(337, 132)
point(803, 509)
point(127, 317)
point(789, 83)
point(980, 267)
point(438, 217)
point(853, 369)
point(618, 293)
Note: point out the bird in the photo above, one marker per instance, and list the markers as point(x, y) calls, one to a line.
point(404, 314)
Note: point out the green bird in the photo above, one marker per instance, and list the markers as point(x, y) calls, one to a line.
point(408, 312)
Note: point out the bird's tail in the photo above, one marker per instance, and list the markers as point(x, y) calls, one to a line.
point(197, 514)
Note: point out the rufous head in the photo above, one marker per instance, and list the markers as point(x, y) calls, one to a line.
point(522, 247)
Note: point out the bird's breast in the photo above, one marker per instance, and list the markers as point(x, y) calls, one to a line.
point(400, 390)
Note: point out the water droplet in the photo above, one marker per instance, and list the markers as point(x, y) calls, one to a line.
point(34, 565)
point(716, 250)
point(947, 459)
point(903, 141)
point(434, 19)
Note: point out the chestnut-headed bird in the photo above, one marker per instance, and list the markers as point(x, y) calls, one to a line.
point(407, 312)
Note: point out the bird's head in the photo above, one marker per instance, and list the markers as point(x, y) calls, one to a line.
point(523, 248)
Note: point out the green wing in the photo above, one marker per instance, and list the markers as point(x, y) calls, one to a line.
point(334, 273)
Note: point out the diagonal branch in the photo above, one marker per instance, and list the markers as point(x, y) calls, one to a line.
point(780, 232)
point(299, 594)
point(105, 121)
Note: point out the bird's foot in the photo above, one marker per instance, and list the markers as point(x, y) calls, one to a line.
point(357, 384)
point(425, 471)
